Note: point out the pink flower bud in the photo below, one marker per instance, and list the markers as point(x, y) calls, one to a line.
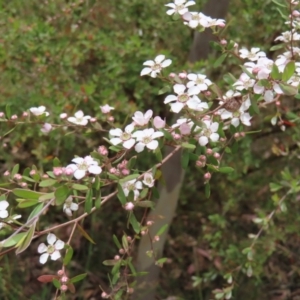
point(6, 173)
point(14, 117)
point(111, 119)
point(278, 103)
point(156, 238)
point(202, 158)
point(46, 128)
point(104, 295)
point(236, 135)
point(207, 176)
point(32, 172)
point(112, 170)
point(199, 164)
point(222, 25)
point(25, 114)
point(235, 45)
point(18, 176)
point(64, 288)
point(223, 42)
point(60, 272)
point(23, 184)
point(57, 171)
point(222, 140)
point(296, 13)
point(172, 75)
point(68, 171)
point(121, 251)
point(207, 93)
point(182, 75)
point(176, 136)
point(64, 279)
point(217, 155)
point(209, 151)
point(45, 176)
point(117, 257)
point(130, 290)
point(143, 232)
point(129, 206)
point(103, 150)
point(106, 109)
point(129, 238)
point(159, 123)
point(150, 223)
point(242, 134)
point(125, 172)
point(1, 114)
point(93, 120)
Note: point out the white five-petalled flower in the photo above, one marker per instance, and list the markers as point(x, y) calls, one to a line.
point(146, 138)
point(148, 180)
point(132, 185)
point(141, 119)
point(179, 7)
point(69, 206)
point(209, 132)
point(106, 109)
point(79, 118)
point(124, 137)
point(155, 66)
point(52, 249)
point(83, 165)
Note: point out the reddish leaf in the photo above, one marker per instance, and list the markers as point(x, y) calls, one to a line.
point(47, 278)
point(71, 288)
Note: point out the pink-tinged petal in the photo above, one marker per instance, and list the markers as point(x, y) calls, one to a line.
point(139, 147)
point(3, 205)
point(72, 120)
point(148, 114)
point(187, 16)
point(78, 174)
point(214, 137)
point(72, 167)
point(152, 145)
point(79, 114)
point(257, 89)
point(159, 123)
point(116, 132)
point(159, 58)
point(149, 63)
point(170, 98)
point(145, 71)
point(166, 63)
point(203, 140)
point(44, 258)
point(129, 144)
point(235, 122)
point(129, 128)
point(42, 248)
point(115, 141)
point(51, 238)
point(95, 169)
point(179, 88)
point(55, 255)
point(176, 107)
point(277, 89)
point(157, 134)
point(78, 160)
point(59, 245)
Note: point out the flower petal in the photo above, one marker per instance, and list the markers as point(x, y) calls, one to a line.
point(42, 248)
point(51, 238)
point(43, 258)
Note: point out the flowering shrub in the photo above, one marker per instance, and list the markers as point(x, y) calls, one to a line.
point(209, 121)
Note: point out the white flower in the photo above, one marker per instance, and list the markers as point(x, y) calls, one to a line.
point(148, 179)
point(179, 6)
point(106, 109)
point(244, 83)
point(239, 115)
point(184, 98)
point(146, 138)
point(79, 119)
point(268, 93)
point(287, 36)
point(70, 206)
point(253, 55)
point(159, 123)
point(83, 165)
point(294, 81)
point(154, 67)
point(37, 111)
point(132, 185)
point(3, 209)
point(209, 132)
point(123, 137)
point(198, 80)
point(52, 249)
point(141, 119)
point(194, 19)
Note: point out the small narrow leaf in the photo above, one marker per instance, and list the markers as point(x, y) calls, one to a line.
point(61, 194)
point(47, 182)
point(135, 224)
point(117, 242)
point(162, 229)
point(77, 278)
point(121, 196)
point(289, 71)
point(36, 211)
point(68, 256)
point(226, 170)
point(27, 194)
point(88, 201)
point(220, 60)
point(85, 234)
point(11, 241)
point(24, 244)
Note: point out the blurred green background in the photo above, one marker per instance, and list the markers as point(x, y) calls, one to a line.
point(71, 55)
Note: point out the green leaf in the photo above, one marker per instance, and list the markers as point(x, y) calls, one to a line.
point(274, 187)
point(27, 194)
point(145, 203)
point(15, 170)
point(26, 203)
point(279, 4)
point(129, 177)
point(162, 229)
point(131, 163)
point(79, 187)
point(77, 278)
point(85, 234)
point(289, 71)
point(8, 111)
point(56, 162)
point(11, 241)
point(56, 283)
point(121, 196)
point(125, 242)
point(220, 60)
point(68, 256)
point(45, 197)
point(25, 242)
point(88, 201)
point(207, 190)
point(275, 74)
point(117, 242)
point(36, 211)
point(110, 262)
point(158, 154)
point(61, 194)
point(276, 47)
point(185, 158)
point(161, 261)
point(226, 170)
point(47, 182)
point(135, 224)
point(188, 146)
point(288, 90)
